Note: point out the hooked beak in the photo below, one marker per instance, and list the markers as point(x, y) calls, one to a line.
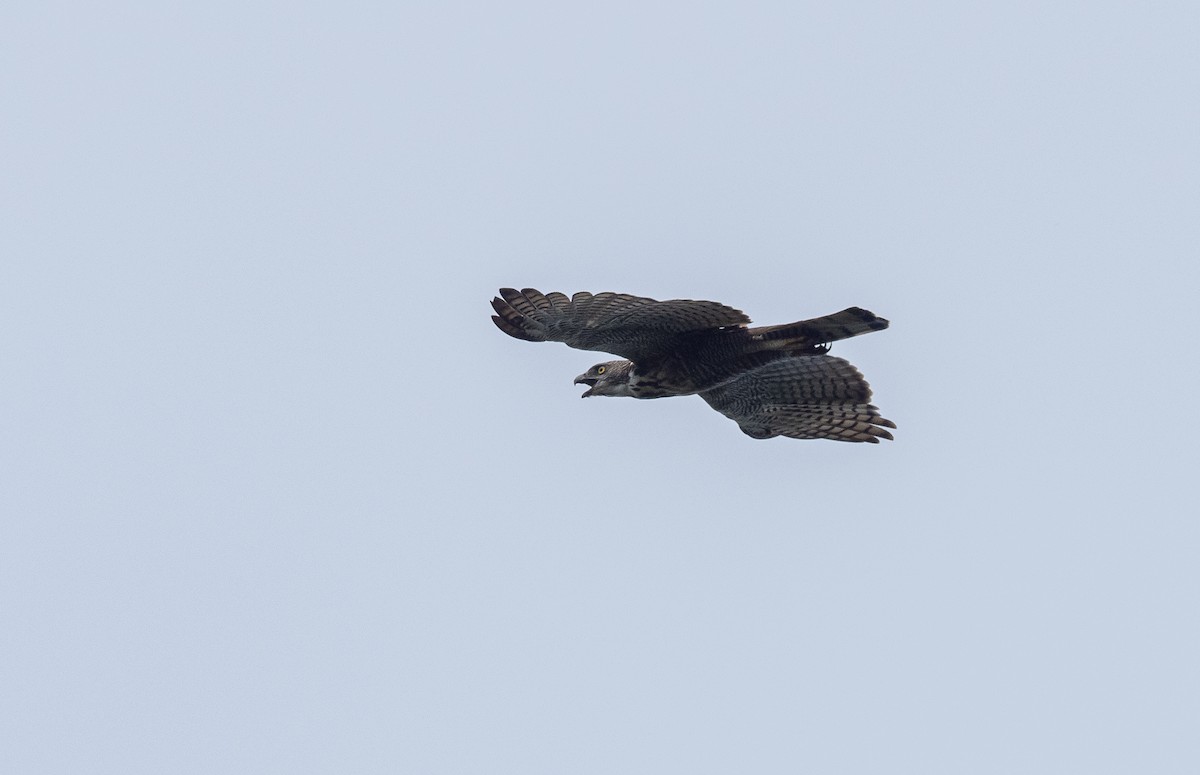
point(584, 379)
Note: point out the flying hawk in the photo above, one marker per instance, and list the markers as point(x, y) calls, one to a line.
point(770, 380)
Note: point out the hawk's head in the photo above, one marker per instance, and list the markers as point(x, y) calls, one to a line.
point(606, 379)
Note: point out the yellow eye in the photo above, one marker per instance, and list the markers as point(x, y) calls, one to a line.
point(600, 369)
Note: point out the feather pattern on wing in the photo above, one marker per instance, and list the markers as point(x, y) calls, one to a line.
point(633, 327)
point(808, 397)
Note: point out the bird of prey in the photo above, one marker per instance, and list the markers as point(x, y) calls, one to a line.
point(770, 380)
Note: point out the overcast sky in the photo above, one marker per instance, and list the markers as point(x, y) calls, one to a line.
point(278, 497)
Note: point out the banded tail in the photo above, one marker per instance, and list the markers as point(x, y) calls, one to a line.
point(807, 334)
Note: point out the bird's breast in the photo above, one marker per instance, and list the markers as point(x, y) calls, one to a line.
point(661, 380)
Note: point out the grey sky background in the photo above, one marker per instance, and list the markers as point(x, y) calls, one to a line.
point(277, 497)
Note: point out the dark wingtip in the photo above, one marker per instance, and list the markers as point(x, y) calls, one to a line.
point(514, 331)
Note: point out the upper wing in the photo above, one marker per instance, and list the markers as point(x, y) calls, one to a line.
point(632, 327)
point(802, 397)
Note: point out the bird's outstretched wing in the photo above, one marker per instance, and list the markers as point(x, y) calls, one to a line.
point(632, 327)
point(808, 397)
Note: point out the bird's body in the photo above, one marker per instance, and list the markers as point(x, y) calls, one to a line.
point(771, 380)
